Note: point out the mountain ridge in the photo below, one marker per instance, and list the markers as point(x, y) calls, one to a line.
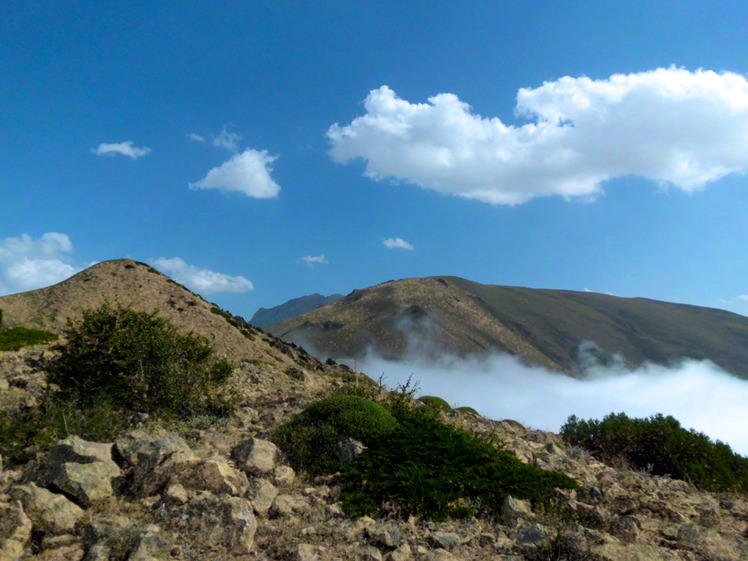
point(545, 327)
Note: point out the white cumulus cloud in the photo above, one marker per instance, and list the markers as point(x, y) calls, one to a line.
point(248, 173)
point(312, 260)
point(397, 243)
point(202, 281)
point(124, 148)
point(670, 125)
point(28, 264)
point(196, 137)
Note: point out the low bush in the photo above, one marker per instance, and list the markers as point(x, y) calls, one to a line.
point(413, 463)
point(310, 439)
point(139, 362)
point(661, 446)
point(435, 402)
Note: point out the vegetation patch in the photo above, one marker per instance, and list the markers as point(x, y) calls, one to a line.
point(436, 403)
point(18, 337)
point(413, 463)
point(115, 368)
point(661, 446)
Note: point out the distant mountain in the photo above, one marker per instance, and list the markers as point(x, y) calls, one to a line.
point(296, 307)
point(557, 329)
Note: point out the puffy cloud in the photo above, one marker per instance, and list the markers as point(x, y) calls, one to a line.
point(28, 264)
point(196, 137)
point(248, 173)
point(227, 140)
point(397, 243)
point(203, 281)
point(123, 148)
point(670, 125)
point(311, 261)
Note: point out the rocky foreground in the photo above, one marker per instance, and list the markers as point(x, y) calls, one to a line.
point(224, 492)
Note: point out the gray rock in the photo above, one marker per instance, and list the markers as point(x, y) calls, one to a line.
point(514, 509)
point(531, 536)
point(349, 449)
point(15, 531)
point(230, 521)
point(284, 475)
point(441, 555)
point(402, 553)
point(154, 545)
point(255, 456)
point(385, 534)
point(262, 494)
point(73, 552)
point(371, 553)
point(214, 475)
point(626, 527)
point(74, 449)
point(286, 505)
point(445, 540)
point(308, 552)
point(49, 512)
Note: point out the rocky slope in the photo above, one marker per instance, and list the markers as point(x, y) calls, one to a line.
point(554, 328)
point(221, 490)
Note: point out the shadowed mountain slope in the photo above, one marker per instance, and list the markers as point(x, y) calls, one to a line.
point(557, 329)
point(295, 307)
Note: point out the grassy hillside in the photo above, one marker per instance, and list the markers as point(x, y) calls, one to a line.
point(546, 327)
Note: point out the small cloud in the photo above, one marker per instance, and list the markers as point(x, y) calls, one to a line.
point(743, 298)
point(397, 243)
point(226, 140)
point(202, 281)
point(311, 261)
point(248, 173)
point(195, 137)
point(28, 264)
point(124, 148)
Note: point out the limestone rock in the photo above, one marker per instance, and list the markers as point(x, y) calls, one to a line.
point(286, 505)
point(402, 553)
point(81, 469)
point(15, 531)
point(72, 552)
point(308, 552)
point(532, 535)
point(384, 534)
point(230, 520)
point(284, 475)
point(215, 475)
point(262, 494)
point(256, 457)
point(154, 545)
point(349, 449)
point(49, 512)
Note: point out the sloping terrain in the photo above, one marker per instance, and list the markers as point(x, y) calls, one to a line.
point(294, 307)
point(546, 327)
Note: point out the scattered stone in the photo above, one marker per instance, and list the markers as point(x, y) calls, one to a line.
point(402, 553)
point(284, 475)
point(371, 553)
point(531, 536)
point(255, 456)
point(154, 545)
point(349, 449)
point(66, 553)
point(308, 552)
point(49, 512)
point(626, 527)
point(445, 540)
point(262, 494)
point(15, 531)
point(229, 521)
point(286, 505)
point(214, 475)
point(384, 534)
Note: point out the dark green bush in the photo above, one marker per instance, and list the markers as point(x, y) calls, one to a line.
point(310, 439)
point(436, 470)
point(660, 445)
point(19, 337)
point(413, 463)
point(139, 362)
point(466, 409)
point(435, 402)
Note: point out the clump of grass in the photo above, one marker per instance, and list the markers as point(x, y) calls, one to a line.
point(18, 337)
point(660, 446)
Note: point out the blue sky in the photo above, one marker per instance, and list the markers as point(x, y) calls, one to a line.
point(260, 151)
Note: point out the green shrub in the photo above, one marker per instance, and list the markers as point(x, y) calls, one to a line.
point(310, 439)
point(413, 462)
point(465, 409)
point(435, 402)
point(18, 337)
point(426, 467)
point(139, 362)
point(660, 445)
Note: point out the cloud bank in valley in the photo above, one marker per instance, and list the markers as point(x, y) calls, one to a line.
point(27, 263)
point(697, 393)
point(201, 280)
point(672, 126)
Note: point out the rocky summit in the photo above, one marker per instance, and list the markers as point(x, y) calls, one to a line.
point(221, 489)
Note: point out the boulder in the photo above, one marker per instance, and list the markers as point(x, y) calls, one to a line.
point(262, 493)
point(49, 512)
point(15, 531)
point(284, 475)
point(82, 470)
point(214, 475)
point(230, 521)
point(287, 505)
point(402, 553)
point(154, 545)
point(255, 456)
